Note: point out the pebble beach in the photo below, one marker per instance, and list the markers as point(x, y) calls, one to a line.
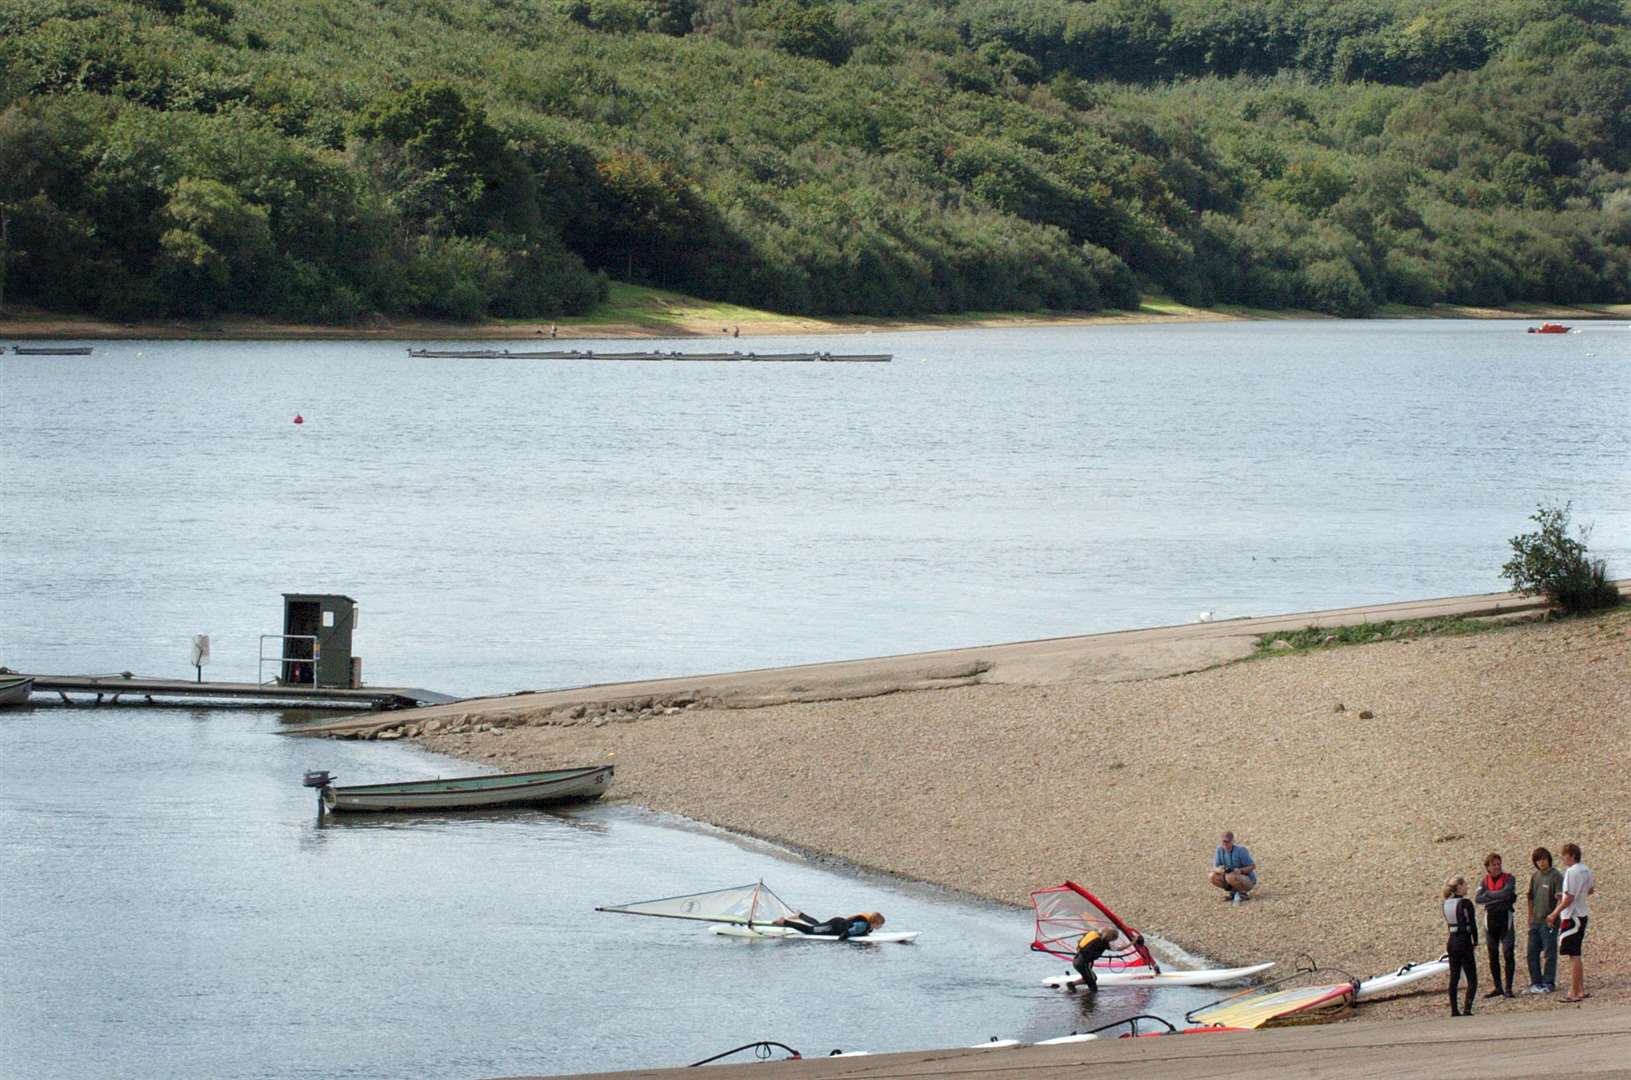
point(1359, 777)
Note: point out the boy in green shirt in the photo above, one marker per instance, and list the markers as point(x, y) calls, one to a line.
point(1545, 884)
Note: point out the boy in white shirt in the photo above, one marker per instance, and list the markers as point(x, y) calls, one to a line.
point(1574, 910)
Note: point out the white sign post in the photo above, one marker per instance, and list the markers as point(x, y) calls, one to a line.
point(201, 653)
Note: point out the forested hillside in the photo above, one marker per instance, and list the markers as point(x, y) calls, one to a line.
point(324, 159)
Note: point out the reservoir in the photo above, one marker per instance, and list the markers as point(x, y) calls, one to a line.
point(169, 904)
point(513, 524)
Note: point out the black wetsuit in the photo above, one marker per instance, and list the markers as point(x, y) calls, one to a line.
point(1462, 950)
point(840, 926)
point(1090, 948)
point(1499, 934)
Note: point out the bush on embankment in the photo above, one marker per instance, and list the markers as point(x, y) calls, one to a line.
point(1552, 563)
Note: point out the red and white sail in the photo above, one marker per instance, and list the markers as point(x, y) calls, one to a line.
point(1065, 912)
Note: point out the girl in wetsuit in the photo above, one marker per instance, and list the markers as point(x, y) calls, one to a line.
point(1463, 944)
point(843, 927)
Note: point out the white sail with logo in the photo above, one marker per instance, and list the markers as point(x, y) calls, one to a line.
point(743, 905)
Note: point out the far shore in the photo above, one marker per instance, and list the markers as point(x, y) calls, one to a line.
point(1359, 776)
point(635, 313)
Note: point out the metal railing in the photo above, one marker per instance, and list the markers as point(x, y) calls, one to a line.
point(310, 662)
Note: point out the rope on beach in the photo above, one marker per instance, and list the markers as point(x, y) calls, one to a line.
point(761, 1050)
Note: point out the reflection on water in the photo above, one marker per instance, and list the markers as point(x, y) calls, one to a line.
point(466, 820)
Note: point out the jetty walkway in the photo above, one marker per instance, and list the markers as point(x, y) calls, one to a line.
point(709, 357)
point(123, 690)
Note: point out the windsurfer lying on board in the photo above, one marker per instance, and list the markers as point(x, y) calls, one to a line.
point(843, 927)
point(1092, 945)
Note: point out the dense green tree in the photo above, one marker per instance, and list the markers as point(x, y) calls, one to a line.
point(809, 30)
point(215, 249)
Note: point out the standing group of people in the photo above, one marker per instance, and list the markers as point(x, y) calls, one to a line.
point(1558, 908)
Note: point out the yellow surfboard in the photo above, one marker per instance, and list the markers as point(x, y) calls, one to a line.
point(1258, 1008)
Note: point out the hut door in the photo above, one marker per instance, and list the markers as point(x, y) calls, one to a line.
point(302, 622)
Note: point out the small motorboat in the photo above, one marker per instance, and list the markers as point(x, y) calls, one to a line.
point(464, 792)
point(14, 689)
point(1549, 328)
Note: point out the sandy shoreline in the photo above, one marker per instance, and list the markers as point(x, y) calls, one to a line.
point(1120, 775)
point(690, 319)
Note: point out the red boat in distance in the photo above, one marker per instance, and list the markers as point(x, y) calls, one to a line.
point(1549, 328)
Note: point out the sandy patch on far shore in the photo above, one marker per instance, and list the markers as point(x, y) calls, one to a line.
point(1498, 741)
point(673, 319)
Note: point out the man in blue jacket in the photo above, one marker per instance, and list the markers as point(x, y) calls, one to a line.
point(1232, 868)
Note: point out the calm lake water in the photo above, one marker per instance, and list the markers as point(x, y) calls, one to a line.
point(169, 905)
point(510, 524)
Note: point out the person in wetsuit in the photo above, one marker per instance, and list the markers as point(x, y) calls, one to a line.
point(843, 927)
point(1497, 895)
point(1089, 947)
point(1462, 946)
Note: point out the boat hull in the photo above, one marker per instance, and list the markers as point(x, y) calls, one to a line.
point(471, 792)
point(15, 691)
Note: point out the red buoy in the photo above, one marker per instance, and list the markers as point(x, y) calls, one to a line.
point(299, 419)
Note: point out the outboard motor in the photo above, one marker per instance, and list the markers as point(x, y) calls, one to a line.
point(319, 779)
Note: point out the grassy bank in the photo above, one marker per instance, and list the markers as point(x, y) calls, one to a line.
point(1315, 638)
point(635, 311)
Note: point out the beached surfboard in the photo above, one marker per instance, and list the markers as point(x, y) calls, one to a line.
point(1144, 977)
point(1377, 985)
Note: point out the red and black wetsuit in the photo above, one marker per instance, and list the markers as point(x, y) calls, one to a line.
point(1498, 895)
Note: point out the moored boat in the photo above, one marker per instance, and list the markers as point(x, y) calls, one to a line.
point(14, 690)
point(465, 792)
point(52, 350)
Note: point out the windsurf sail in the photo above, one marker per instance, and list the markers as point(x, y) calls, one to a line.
point(1065, 912)
point(744, 905)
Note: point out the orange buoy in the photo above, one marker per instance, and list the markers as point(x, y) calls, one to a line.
point(299, 419)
